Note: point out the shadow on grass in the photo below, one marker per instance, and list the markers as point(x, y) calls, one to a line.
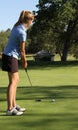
point(55, 64)
point(48, 121)
point(51, 120)
point(42, 92)
point(57, 121)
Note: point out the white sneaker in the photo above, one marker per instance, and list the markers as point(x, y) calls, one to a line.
point(13, 112)
point(18, 108)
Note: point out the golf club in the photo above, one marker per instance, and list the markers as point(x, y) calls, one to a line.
point(37, 100)
point(28, 76)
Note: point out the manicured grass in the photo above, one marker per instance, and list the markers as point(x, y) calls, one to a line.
point(57, 81)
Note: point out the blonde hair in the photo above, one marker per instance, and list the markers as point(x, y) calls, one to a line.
point(24, 17)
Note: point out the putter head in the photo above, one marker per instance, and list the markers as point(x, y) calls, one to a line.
point(38, 100)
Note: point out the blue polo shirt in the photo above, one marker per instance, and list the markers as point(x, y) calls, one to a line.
point(17, 36)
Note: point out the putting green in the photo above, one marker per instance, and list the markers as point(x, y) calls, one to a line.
point(59, 82)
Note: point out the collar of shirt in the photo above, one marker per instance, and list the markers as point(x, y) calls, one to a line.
point(23, 27)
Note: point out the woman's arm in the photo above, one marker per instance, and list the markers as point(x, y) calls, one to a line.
point(23, 54)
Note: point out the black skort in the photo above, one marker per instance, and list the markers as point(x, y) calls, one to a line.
point(9, 64)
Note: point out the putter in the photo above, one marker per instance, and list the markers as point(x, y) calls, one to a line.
point(28, 76)
point(37, 100)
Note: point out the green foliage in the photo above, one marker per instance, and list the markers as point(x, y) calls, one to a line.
point(4, 35)
point(55, 26)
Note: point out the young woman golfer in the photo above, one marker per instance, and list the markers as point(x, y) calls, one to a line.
point(14, 49)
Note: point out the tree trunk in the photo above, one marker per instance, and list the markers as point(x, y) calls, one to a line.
point(70, 29)
point(65, 51)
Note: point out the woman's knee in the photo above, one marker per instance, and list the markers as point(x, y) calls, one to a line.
point(14, 78)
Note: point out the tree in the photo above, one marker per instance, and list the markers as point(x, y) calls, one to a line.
point(72, 22)
point(55, 24)
point(3, 39)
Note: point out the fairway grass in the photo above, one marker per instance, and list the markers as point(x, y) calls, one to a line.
point(59, 82)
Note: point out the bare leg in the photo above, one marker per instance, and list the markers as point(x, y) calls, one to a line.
point(11, 93)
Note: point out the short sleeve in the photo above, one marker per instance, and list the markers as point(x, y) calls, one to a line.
point(23, 37)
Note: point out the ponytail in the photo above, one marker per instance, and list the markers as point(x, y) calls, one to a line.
point(24, 17)
point(21, 18)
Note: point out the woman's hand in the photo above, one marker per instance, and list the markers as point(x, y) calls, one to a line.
point(24, 64)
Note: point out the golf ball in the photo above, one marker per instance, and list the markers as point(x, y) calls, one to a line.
point(53, 100)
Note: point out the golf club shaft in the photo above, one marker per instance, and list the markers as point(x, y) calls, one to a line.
point(28, 77)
